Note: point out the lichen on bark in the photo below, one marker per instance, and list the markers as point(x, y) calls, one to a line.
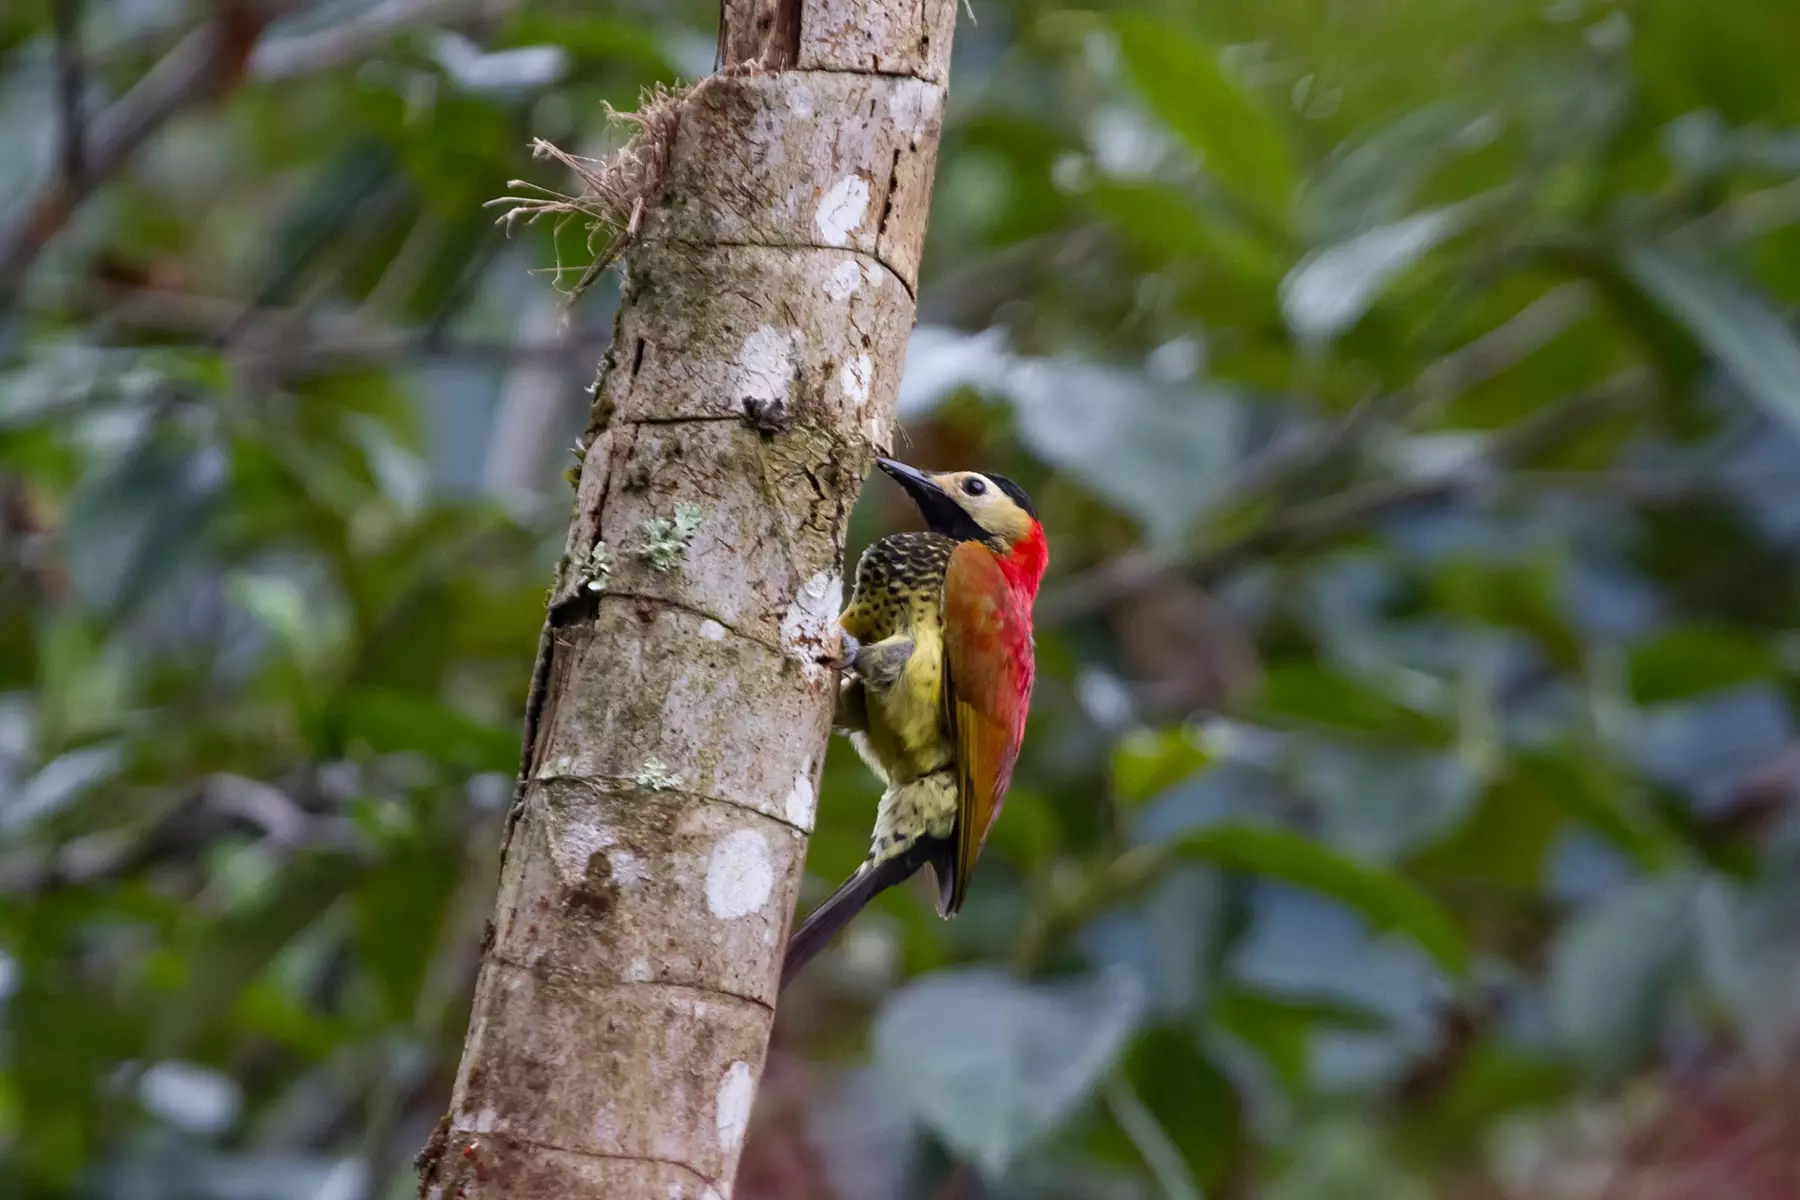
point(682, 700)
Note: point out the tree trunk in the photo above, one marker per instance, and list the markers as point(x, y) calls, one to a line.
point(680, 708)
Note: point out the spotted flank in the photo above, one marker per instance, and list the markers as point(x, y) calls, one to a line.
point(926, 807)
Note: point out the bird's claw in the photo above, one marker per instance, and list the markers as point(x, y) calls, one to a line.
point(846, 661)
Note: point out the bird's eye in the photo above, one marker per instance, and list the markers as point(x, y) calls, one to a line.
point(974, 485)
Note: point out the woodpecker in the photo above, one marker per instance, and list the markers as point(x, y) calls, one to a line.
point(939, 659)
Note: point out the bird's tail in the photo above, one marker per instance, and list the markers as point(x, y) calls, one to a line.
point(839, 908)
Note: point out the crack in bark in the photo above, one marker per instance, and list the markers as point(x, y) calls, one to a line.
point(547, 973)
point(887, 204)
point(684, 606)
point(475, 1137)
point(598, 784)
point(872, 256)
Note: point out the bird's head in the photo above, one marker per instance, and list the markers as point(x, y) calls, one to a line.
point(979, 506)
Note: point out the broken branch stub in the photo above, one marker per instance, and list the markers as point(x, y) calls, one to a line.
point(681, 705)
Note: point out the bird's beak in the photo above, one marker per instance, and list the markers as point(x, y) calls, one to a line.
point(915, 481)
point(942, 513)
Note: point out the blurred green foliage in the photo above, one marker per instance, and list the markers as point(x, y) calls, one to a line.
point(1413, 397)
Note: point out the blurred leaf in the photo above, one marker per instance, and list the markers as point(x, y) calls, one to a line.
point(1734, 325)
point(992, 1064)
point(1165, 224)
point(1330, 289)
point(1281, 1028)
point(864, 1133)
point(83, 680)
point(1373, 177)
point(1145, 762)
point(1494, 1081)
point(1689, 660)
point(133, 523)
point(593, 36)
point(1612, 969)
point(1384, 899)
point(221, 959)
point(1503, 842)
point(1380, 804)
point(388, 721)
point(1188, 921)
point(399, 909)
point(402, 475)
point(58, 784)
point(1747, 939)
point(1305, 695)
point(310, 623)
point(1154, 450)
point(1580, 779)
point(1524, 595)
point(190, 1097)
point(1238, 141)
point(500, 72)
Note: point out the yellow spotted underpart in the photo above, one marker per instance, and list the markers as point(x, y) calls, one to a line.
point(893, 702)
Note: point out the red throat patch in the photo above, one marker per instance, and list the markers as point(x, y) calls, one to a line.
point(1024, 564)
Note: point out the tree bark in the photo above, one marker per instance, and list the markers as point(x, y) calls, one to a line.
point(681, 704)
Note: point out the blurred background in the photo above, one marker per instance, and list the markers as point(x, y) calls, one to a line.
point(1411, 394)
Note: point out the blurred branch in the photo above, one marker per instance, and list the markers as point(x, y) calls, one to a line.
point(969, 295)
point(71, 83)
point(1355, 509)
point(344, 42)
point(179, 835)
point(1749, 216)
point(201, 65)
point(1292, 457)
point(204, 64)
point(291, 340)
point(1347, 511)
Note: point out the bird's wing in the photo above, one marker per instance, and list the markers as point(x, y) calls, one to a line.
point(987, 692)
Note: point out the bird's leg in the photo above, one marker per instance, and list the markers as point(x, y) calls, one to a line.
point(876, 666)
point(879, 665)
point(846, 659)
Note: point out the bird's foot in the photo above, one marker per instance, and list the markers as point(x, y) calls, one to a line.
point(846, 659)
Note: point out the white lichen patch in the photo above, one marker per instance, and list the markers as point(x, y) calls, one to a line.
point(914, 102)
point(656, 776)
point(856, 377)
point(801, 800)
point(578, 842)
point(638, 970)
point(763, 368)
point(712, 631)
point(842, 209)
point(809, 628)
point(739, 877)
point(628, 870)
point(737, 1093)
point(666, 539)
point(843, 281)
point(596, 568)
